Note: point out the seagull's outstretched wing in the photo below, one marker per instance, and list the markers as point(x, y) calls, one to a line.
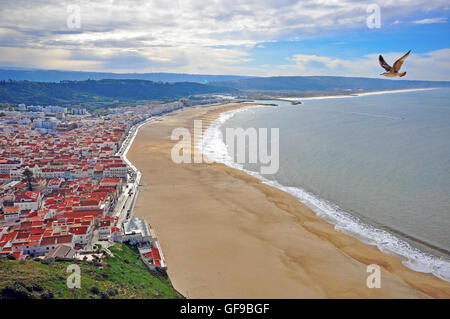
point(398, 64)
point(383, 64)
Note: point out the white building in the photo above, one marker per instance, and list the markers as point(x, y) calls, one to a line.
point(116, 170)
point(28, 200)
point(79, 111)
point(136, 231)
point(7, 165)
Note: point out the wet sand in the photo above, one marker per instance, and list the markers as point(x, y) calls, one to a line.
point(226, 235)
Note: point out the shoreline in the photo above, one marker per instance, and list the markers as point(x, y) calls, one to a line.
point(387, 241)
point(348, 253)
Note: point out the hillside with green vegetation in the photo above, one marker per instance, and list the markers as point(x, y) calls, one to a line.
point(70, 93)
point(123, 275)
point(326, 84)
point(60, 75)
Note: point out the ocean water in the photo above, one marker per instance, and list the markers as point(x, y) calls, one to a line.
point(375, 166)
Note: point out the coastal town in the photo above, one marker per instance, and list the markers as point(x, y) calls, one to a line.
point(66, 187)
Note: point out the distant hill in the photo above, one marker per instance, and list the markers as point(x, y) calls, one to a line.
point(325, 83)
point(18, 74)
point(109, 92)
point(90, 91)
point(280, 83)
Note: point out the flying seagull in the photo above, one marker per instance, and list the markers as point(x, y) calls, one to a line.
point(393, 71)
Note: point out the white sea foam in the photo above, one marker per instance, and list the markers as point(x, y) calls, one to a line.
point(215, 149)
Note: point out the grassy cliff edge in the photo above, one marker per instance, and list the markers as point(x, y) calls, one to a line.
point(123, 275)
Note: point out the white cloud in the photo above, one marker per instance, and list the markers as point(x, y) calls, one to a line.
point(181, 35)
point(214, 22)
point(302, 61)
point(152, 59)
point(55, 59)
point(432, 20)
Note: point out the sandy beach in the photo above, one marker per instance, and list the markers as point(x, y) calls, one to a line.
point(226, 235)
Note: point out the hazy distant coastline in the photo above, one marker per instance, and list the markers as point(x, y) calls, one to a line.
point(344, 95)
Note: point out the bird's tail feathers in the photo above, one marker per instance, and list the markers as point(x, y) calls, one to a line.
point(402, 74)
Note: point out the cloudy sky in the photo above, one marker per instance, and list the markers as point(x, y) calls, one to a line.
point(251, 37)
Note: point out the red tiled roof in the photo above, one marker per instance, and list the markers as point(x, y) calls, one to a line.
point(94, 213)
point(110, 181)
point(53, 240)
point(79, 230)
point(10, 210)
point(35, 237)
point(155, 253)
point(17, 254)
point(22, 235)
